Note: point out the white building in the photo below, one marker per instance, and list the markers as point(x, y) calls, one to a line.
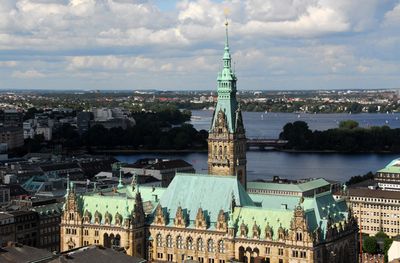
point(47, 132)
point(394, 251)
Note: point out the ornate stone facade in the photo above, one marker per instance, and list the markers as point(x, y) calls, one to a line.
point(211, 218)
point(82, 224)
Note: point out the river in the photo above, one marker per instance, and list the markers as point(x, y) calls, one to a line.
point(266, 164)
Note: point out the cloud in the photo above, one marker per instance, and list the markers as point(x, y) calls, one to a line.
point(392, 17)
point(29, 74)
point(293, 41)
point(8, 64)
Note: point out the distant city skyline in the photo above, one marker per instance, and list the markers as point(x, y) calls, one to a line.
point(176, 45)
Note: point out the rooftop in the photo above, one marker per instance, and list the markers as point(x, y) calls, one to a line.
point(209, 192)
point(392, 167)
point(23, 254)
point(291, 187)
point(96, 254)
point(374, 193)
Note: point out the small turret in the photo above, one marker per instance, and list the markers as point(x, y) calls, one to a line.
point(120, 184)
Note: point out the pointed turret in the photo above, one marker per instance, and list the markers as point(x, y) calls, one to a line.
point(120, 184)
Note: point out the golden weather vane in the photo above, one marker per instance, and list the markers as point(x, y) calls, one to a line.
point(227, 11)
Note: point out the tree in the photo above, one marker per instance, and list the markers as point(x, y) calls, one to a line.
point(297, 133)
point(386, 245)
point(370, 245)
point(381, 235)
point(348, 124)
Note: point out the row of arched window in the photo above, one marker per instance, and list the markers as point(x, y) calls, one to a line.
point(190, 245)
point(219, 152)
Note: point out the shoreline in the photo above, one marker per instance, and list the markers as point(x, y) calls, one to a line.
point(172, 151)
point(128, 151)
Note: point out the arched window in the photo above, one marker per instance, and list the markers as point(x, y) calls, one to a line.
point(117, 241)
point(221, 246)
point(225, 150)
point(159, 240)
point(200, 244)
point(220, 150)
point(210, 245)
point(299, 236)
point(169, 241)
point(189, 243)
point(179, 243)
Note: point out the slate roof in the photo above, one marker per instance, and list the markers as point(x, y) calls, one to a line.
point(96, 254)
point(24, 254)
point(374, 193)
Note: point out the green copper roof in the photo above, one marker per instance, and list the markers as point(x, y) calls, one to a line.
point(302, 187)
point(392, 167)
point(119, 202)
point(321, 207)
point(317, 208)
point(262, 217)
point(275, 201)
point(211, 193)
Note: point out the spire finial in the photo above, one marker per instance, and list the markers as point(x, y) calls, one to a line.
point(120, 185)
point(68, 183)
point(226, 34)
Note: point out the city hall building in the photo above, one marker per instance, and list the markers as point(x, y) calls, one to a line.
point(217, 217)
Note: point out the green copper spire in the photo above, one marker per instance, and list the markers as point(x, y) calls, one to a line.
point(227, 55)
point(226, 88)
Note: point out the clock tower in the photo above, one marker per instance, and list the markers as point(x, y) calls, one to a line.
point(227, 139)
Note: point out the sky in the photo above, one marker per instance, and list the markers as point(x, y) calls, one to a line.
point(178, 45)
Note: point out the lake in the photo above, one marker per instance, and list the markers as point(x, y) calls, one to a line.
point(269, 125)
point(266, 164)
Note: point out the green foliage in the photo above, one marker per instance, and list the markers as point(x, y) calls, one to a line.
point(381, 235)
point(374, 139)
point(370, 245)
point(387, 242)
point(348, 124)
point(360, 178)
point(164, 128)
point(298, 134)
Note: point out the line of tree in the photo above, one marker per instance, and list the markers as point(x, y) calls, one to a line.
point(164, 129)
point(348, 137)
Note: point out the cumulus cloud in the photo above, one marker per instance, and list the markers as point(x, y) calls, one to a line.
point(269, 39)
point(29, 74)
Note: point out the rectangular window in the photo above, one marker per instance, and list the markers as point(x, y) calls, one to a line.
point(96, 233)
point(201, 260)
point(170, 257)
point(280, 260)
point(280, 251)
point(160, 255)
point(267, 250)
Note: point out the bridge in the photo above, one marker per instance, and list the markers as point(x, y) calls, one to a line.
point(263, 143)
